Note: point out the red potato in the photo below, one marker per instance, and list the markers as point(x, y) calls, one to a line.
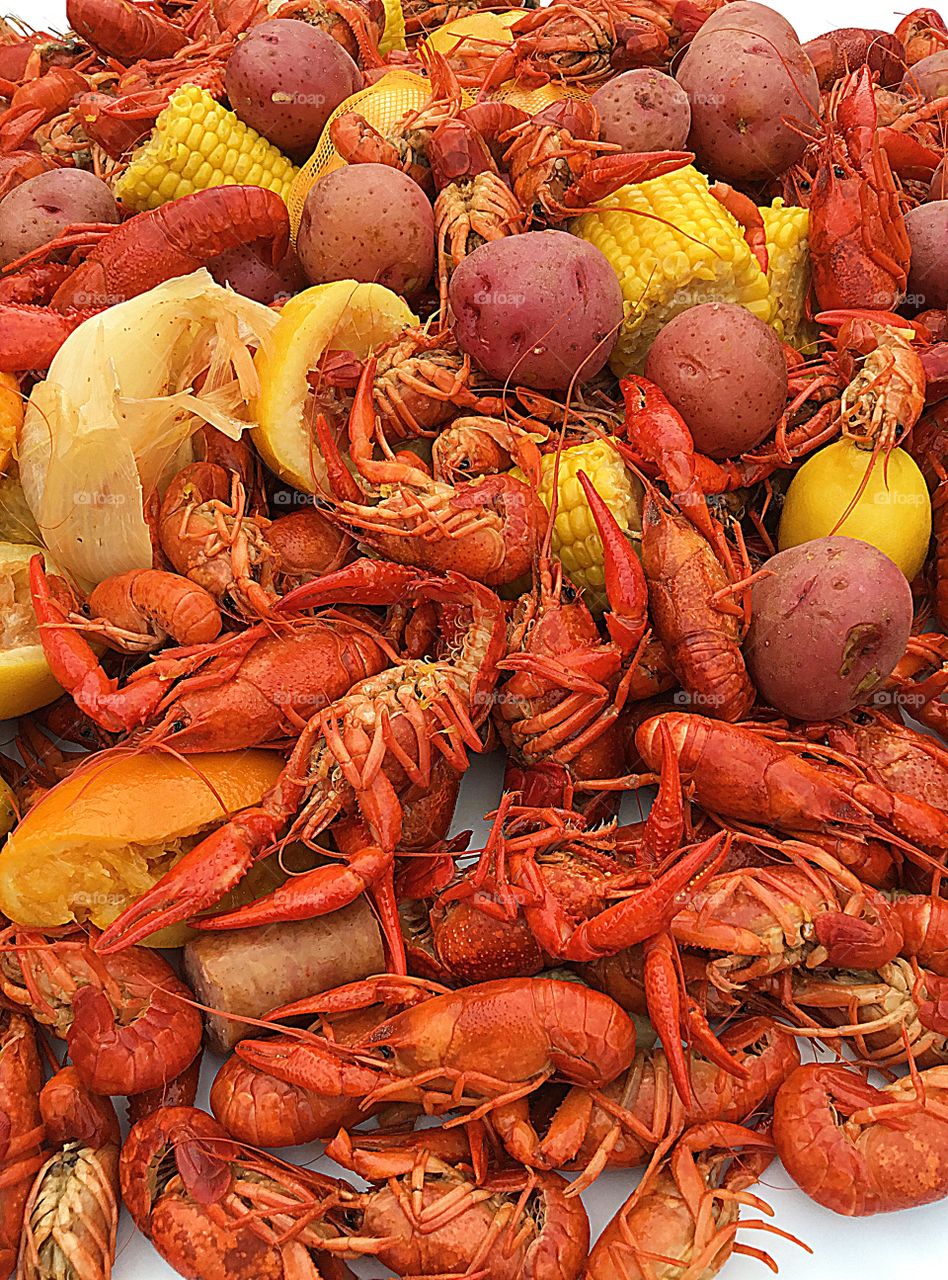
point(643, 110)
point(828, 625)
point(543, 308)
point(248, 272)
point(368, 222)
point(747, 16)
point(724, 371)
point(248, 972)
point(928, 77)
point(939, 185)
point(927, 227)
point(746, 91)
point(41, 209)
point(286, 78)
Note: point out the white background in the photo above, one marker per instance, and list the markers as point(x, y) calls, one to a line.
point(888, 1247)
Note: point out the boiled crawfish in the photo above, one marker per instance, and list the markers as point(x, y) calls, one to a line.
point(128, 1021)
point(72, 1212)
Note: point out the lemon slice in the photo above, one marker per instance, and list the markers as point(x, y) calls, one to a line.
point(474, 34)
point(26, 681)
point(340, 316)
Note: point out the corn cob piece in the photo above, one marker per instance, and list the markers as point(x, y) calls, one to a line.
point(687, 249)
point(575, 540)
point(788, 269)
point(195, 144)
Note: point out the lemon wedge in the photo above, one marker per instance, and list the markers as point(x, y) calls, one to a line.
point(26, 681)
point(340, 316)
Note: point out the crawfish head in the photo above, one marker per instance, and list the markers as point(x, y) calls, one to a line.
point(173, 1142)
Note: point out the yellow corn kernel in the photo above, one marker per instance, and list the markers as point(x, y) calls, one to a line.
point(195, 144)
point(576, 540)
point(788, 268)
point(685, 250)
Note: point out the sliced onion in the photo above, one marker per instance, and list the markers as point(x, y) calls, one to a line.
point(112, 422)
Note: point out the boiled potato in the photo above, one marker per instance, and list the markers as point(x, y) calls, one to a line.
point(542, 309)
point(643, 110)
point(41, 209)
point(286, 78)
point(724, 371)
point(829, 622)
point(745, 89)
point(927, 227)
point(371, 223)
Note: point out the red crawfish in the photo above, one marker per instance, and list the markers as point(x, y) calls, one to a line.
point(256, 1107)
point(129, 1023)
point(894, 1014)
point(685, 1212)
point(488, 529)
point(860, 1150)
point(125, 31)
point(475, 1048)
point(623, 1123)
point(747, 776)
point(205, 1202)
point(763, 920)
point(442, 1219)
point(251, 687)
point(859, 246)
point(559, 708)
point(692, 615)
point(125, 261)
point(359, 757)
point(72, 1212)
point(21, 1128)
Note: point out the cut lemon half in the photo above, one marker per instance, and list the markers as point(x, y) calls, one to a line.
point(341, 316)
point(26, 681)
point(109, 831)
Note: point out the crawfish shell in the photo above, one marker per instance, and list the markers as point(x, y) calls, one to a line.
point(72, 1216)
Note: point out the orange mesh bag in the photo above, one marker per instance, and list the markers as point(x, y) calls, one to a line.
point(383, 104)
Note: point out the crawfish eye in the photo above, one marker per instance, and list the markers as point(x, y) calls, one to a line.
point(569, 592)
point(838, 171)
point(178, 726)
point(464, 464)
point(385, 1052)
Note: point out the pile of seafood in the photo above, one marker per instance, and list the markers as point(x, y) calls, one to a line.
point(385, 386)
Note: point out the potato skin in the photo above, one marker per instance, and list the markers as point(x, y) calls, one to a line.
point(42, 208)
point(286, 78)
point(368, 222)
point(939, 186)
point(929, 76)
point(643, 110)
point(747, 15)
point(538, 308)
point(927, 227)
point(741, 85)
point(724, 371)
point(827, 628)
point(247, 272)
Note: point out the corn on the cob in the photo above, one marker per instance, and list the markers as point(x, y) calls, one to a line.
point(575, 540)
point(195, 144)
point(788, 268)
point(685, 250)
